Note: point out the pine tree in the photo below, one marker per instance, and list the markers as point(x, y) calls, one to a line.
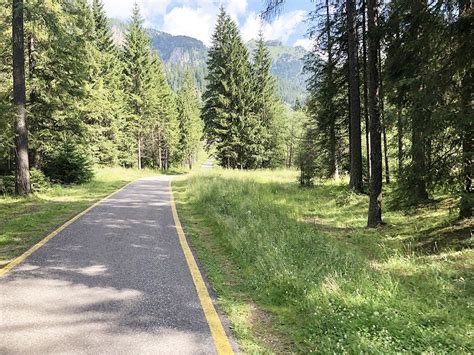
point(56, 35)
point(327, 102)
point(104, 111)
point(190, 122)
point(161, 114)
point(137, 57)
point(268, 109)
point(230, 123)
point(464, 48)
point(22, 184)
point(375, 202)
point(354, 99)
point(102, 34)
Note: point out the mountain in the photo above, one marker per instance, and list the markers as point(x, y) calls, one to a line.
point(287, 68)
point(181, 53)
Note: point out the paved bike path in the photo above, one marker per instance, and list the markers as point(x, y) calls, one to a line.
point(115, 281)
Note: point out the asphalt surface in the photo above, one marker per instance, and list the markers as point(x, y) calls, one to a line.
point(113, 282)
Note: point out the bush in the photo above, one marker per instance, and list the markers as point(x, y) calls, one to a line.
point(69, 165)
point(39, 182)
point(7, 184)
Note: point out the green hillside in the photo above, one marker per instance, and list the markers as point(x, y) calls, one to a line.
point(180, 53)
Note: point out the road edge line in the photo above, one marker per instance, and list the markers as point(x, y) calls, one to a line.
point(19, 259)
point(219, 336)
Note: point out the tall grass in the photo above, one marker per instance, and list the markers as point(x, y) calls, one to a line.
point(328, 283)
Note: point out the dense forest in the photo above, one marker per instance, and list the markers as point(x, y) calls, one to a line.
point(84, 99)
point(389, 98)
point(401, 73)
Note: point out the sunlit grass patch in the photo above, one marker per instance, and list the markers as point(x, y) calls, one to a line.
point(327, 283)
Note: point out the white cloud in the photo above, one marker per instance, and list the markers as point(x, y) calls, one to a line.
point(122, 9)
point(197, 23)
point(236, 8)
point(280, 29)
point(197, 18)
point(306, 43)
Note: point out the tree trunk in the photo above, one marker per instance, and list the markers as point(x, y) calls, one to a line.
point(382, 116)
point(355, 182)
point(375, 202)
point(290, 156)
point(139, 151)
point(400, 141)
point(365, 86)
point(332, 171)
point(418, 156)
point(22, 182)
point(467, 199)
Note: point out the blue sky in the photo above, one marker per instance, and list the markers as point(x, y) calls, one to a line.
point(196, 18)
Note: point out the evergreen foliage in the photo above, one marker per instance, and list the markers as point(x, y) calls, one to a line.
point(240, 106)
point(190, 123)
point(69, 165)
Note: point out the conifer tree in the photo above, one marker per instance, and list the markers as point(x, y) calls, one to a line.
point(327, 101)
point(137, 57)
point(267, 107)
point(161, 118)
point(104, 111)
point(375, 202)
point(230, 123)
point(190, 122)
point(354, 99)
point(22, 184)
point(57, 35)
point(102, 34)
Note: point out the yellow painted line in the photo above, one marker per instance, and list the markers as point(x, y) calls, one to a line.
point(50, 236)
point(221, 341)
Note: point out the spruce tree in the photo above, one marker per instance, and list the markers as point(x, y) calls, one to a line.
point(354, 99)
point(57, 74)
point(137, 59)
point(161, 125)
point(104, 111)
point(22, 183)
point(190, 123)
point(230, 123)
point(375, 193)
point(267, 107)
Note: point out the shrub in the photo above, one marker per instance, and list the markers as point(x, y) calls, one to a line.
point(7, 184)
point(39, 182)
point(69, 165)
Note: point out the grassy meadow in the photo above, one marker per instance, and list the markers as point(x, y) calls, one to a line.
point(296, 270)
point(26, 220)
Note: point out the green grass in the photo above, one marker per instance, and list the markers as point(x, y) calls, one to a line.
point(296, 270)
point(25, 221)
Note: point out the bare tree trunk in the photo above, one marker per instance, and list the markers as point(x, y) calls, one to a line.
point(160, 152)
point(139, 151)
point(467, 198)
point(382, 115)
point(333, 171)
point(365, 81)
point(375, 202)
point(290, 159)
point(354, 99)
point(22, 182)
point(400, 141)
